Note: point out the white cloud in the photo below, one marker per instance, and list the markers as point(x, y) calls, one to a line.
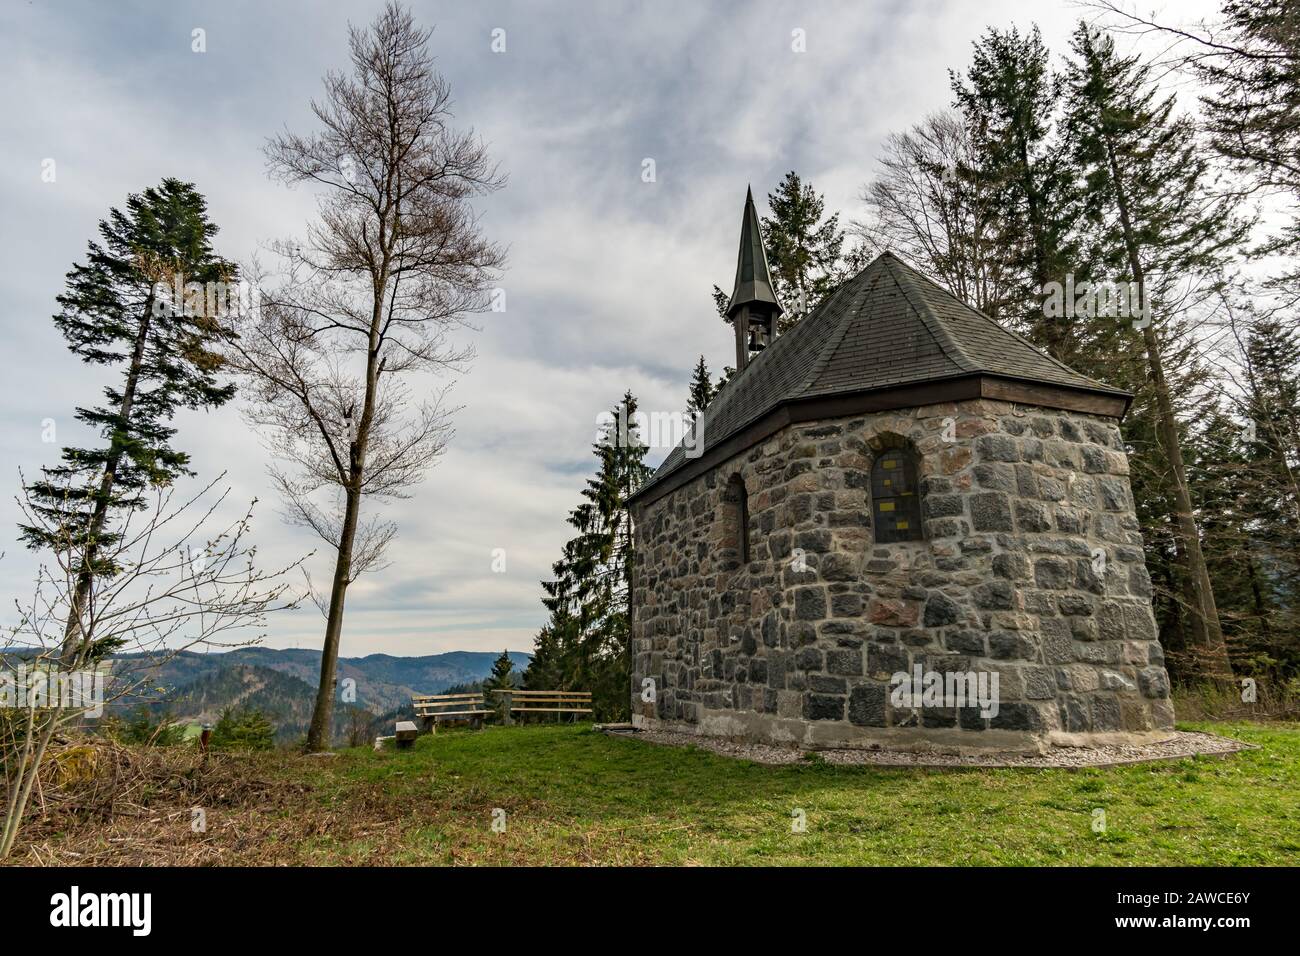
point(609, 276)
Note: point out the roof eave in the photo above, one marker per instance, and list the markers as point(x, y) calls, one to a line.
point(1104, 401)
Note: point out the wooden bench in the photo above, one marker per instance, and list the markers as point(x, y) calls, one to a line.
point(556, 702)
point(432, 708)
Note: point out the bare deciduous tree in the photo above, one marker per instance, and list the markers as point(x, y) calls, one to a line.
point(183, 579)
point(367, 302)
point(926, 205)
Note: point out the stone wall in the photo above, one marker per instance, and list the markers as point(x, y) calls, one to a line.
point(1031, 568)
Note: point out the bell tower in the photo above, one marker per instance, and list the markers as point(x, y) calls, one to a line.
point(754, 308)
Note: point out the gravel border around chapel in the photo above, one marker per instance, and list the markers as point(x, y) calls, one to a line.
point(1181, 745)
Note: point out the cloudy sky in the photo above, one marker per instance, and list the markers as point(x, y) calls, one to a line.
point(608, 278)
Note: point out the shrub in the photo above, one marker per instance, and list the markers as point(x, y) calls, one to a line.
point(242, 730)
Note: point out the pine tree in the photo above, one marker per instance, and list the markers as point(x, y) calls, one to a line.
point(1252, 69)
point(501, 677)
point(543, 671)
point(587, 638)
point(1191, 389)
point(721, 302)
point(1008, 100)
point(1272, 489)
point(1249, 591)
point(243, 730)
point(121, 310)
point(1273, 396)
point(702, 391)
point(802, 249)
point(146, 728)
point(1147, 180)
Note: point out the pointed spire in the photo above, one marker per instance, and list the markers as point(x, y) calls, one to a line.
point(753, 278)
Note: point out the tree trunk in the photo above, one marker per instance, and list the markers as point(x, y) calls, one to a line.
point(28, 768)
point(320, 734)
point(1207, 634)
point(1261, 613)
point(85, 578)
point(1184, 582)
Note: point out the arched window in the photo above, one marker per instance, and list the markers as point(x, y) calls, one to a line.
point(895, 496)
point(735, 502)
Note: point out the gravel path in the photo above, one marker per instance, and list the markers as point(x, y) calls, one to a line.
point(1183, 744)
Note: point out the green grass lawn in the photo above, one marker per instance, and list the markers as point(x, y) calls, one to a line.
point(572, 796)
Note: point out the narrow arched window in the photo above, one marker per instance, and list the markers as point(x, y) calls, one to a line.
point(895, 496)
point(735, 501)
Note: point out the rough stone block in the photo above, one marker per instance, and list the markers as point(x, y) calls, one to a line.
point(996, 595)
point(891, 613)
point(965, 642)
point(1052, 573)
point(943, 506)
point(825, 684)
point(845, 662)
point(867, 704)
point(1018, 716)
point(941, 610)
point(995, 477)
point(990, 511)
point(809, 659)
point(886, 659)
point(810, 603)
point(1154, 682)
point(1012, 646)
point(846, 605)
point(823, 707)
point(1032, 517)
point(997, 448)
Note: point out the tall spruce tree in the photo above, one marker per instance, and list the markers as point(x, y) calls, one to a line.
point(1272, 490)
point(544, 670)
point(720, 302)
point(501, 678)
point(1192, 388)
point(1148, 189)
point(803, 249)
point(586, 642)
point(1009, 99)
point(1252, 69)
point(1217, 469)
point(702, 391)
point(150, 303)
point(1273, 407)
point(1229, 497)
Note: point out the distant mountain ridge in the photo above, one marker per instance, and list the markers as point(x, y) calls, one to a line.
point(282, 683)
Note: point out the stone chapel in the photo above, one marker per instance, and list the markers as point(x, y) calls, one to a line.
point(900, 525)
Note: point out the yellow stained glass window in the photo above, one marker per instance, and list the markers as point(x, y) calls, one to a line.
point(896, 505)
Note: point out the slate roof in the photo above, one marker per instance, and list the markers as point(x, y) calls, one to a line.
point(887, 326)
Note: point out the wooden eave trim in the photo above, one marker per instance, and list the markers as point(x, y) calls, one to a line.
point(914, 395)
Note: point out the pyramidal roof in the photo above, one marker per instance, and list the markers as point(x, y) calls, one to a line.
point(887, 338)
point(753, 277)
